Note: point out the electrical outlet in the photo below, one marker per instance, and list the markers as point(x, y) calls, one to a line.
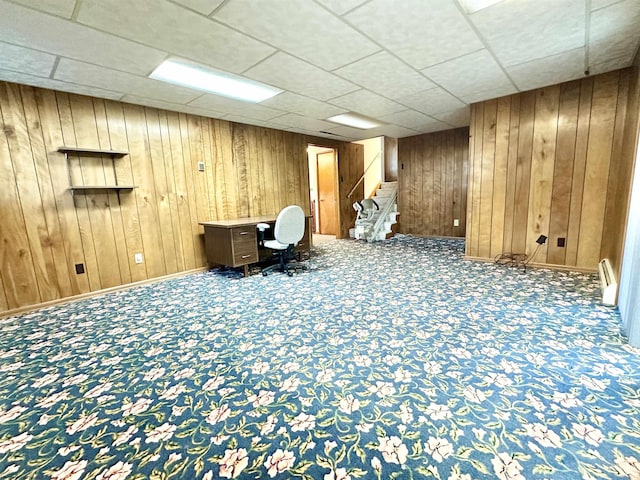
point(561, 241)
point(456, 222)
point(137, 258)
point(79, 268)
point(201, 166)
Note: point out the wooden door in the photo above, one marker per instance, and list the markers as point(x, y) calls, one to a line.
point(327, 211)
point(350, 169)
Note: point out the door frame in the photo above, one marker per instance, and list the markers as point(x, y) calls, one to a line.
point(336, 191)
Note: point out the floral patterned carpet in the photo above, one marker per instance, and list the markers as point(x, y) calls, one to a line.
point(388, 360)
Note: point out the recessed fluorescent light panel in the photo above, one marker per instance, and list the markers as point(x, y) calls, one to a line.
point(355, 120)
point(473, 6)
point(199, 77)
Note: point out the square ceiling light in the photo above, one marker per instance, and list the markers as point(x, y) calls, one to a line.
point(200, 77)
point(473, 6)
point(355, 120)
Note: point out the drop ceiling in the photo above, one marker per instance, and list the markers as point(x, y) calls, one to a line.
point(414, 65)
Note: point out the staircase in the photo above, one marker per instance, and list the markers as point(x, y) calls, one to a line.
point(379, 225)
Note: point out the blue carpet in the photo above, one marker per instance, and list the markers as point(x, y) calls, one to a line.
point(387, 360)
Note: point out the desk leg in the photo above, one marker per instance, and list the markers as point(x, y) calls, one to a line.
point(246, 270)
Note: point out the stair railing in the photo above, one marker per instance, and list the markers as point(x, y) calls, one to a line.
point(384, 215)
point(361, 179)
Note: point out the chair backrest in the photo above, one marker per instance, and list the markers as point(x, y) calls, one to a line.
point(289, 227)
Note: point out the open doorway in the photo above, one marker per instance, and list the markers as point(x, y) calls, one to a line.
point(323, 187)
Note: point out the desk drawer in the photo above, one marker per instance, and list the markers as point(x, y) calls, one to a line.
point(245, 248)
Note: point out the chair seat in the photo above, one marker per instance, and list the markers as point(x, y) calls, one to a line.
point(275, 245)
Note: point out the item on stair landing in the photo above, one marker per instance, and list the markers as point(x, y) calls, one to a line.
point(376, 215)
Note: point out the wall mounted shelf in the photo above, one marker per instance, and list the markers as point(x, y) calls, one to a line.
point(80, 152)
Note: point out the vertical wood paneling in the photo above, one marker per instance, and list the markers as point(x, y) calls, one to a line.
point(603, 109)
point(560, 150)
point(432, 183)
point(563, 171)
point(542, 162)
point(500, 175)
point(47, 230)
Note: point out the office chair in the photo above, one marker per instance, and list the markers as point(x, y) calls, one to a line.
point(288, 231)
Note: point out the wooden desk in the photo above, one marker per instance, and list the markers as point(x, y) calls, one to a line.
point(234, 242)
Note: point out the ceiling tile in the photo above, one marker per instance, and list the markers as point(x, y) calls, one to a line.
point(290, 73)
point(25, 60)
point(597, 4)
point(460, 117)
point(294, 103)
point(384, 74)
point(350, 132)
point(394, 131)
point(444, 31)
point(176, 107)
point(488, 94)
point(94, 76)
point(25, 79)
point(205, 7)
point(431, 101)
point(61, 8)
point(231, 106)
point(299, 27)
point(518, 31)
point(340, 7)
point(547, 71)
point(473, 72)
point(166, 26)
point(245, 120)
point(367, 103)
point(299, 121)
point(614, 32)
point(39, 31)
point(413, 120)
point(609, 65)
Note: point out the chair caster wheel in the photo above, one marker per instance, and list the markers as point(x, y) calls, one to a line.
point(290, 274)
point(264, 274)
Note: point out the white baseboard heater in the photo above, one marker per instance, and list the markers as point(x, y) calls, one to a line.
point(608, 283)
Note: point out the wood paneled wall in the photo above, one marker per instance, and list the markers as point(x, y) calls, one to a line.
point(46, 230)
point(432, 183)
point(547, 162)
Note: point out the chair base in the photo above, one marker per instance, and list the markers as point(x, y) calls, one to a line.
point(286, 264)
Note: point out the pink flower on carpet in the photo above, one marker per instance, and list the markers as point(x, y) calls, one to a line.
point(15, 443)
point(163, 432)
point(233, 463)
point(507, 468)
point(213, 383)
point(303, 422)
point(264, 397)
point(588, 433)
point(349, 404)
point(269, 425)
point(219, 414)
point(544, 436)
point(119, 471)
point(438, 448)
point(82, 424)
point(70, 471)
point(139, 406)
point(13, 412)
point(123, 437)
point(280, 461)
point(393, 450)
point(630, 466)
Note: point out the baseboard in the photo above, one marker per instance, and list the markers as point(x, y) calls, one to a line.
point(82, 296)
point(551, 266)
